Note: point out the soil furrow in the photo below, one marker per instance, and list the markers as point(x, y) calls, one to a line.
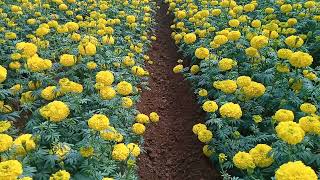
point(172, 151)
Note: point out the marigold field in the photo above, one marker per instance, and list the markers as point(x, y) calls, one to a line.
point(72, 73)
point(255, 70)
point(69, 77)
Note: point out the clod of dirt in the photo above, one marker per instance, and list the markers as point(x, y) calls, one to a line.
point(172, 151)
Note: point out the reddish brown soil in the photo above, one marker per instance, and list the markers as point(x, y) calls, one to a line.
point(172, 151)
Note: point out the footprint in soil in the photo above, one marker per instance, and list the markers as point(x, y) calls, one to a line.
point(172, 151)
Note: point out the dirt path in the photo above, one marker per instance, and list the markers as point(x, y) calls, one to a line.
point(172, 150)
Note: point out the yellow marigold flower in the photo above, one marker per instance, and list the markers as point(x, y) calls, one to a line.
point(67, 86)
point(269, 10)
point(118, 137)
point(260, 155)
point(134, 149)
point(226, 64)
point(24, 144)
point(309, 124)
point(5, 142)
point(28, 49)
point(142, 118)
point(285, 53)
point(76, 37)
point(91, 65)
point(248, 7)
point(283, 115)
point(126, 102)
point(27, 97)
point(290, 132)
point(292, 21)
point(295, 170)
point(120, 152)
point(109, 40)
point(10, 169)
point(310, 75)
point(270, 34)
point(286, 8)
point(138, 128)
point(55, 111)
point(107, 179)
point(3, 74)
point(4, 126)
point(63, 7)
point(254, 90)
point(72, 26)
point(207, 151)
point(181, 14)
point(128, 61)
point(61, 150)
point(53, 24)
point(107, 93)
point(178, 68)
point(226, 86)
point(124, 88)
point(15, 8)
point(310, 4)
point(154, 117)
point(308, 108)
point(109, 134)
point(259, 42)
point(203, 92)
point(14, 65)
point(257, 118)
point(205, 136)
point(15, 56)
point(252, 52)
point(33, 85)
point(60, 175)
point(222, 157)
point(202, 53)
point(139, 71)
point(198, 127)
point(243, 160)
point(67, 60)
point(220, 39)
point(37, 64)
point(243, 81)
point(234, 35)
point(10, 35)
point(98, 122)
point(86, 151)
point(194, 69)
point(282, 68)
point(42, 31)
point(49, 93)
point(89, 49)
point(16, 88)
point(256, 23)
point(300, 59)
point(231, 110)
point(216, 12)
point(105, 77)
point(234, 23)
point(131, 19)
point(294, 41)
point(190, 38)
point(64, 29)
point(210, 106)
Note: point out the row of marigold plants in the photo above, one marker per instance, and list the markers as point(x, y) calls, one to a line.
point(254, 67)
point(71, 72)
